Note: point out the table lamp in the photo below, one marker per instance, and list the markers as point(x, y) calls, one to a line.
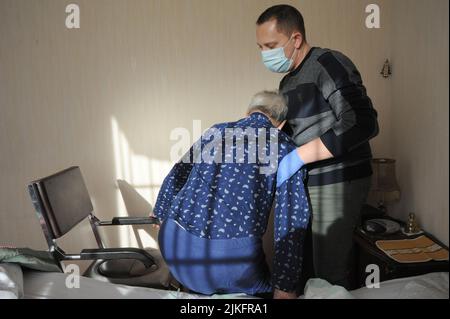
point(384, 188)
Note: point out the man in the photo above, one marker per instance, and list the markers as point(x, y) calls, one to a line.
point(215, 205)
point(331, 119)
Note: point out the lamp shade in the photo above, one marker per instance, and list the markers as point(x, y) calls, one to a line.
point(384, 180)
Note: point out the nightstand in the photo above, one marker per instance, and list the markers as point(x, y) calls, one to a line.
point(368, 253)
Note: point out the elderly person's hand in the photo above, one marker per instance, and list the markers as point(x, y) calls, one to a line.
point(155, 226)
point(279, 294)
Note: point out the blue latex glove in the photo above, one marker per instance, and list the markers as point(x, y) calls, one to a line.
point(289, 165)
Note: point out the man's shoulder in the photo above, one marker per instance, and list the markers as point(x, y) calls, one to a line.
point(319, 54)
point(333, 61)
point(335, 70)
point(316, 62)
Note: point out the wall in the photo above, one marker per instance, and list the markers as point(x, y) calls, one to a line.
point(106, 97)
point(420, 108)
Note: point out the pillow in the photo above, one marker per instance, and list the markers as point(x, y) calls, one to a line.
point(11, 281)
point(29, 258)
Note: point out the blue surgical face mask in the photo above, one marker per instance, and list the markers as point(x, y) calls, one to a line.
point(276, 61)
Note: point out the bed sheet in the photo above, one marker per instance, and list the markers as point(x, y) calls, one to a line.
point(38, 285)
point(49, 285)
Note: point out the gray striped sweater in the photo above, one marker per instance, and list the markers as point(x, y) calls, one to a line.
point(327, 99)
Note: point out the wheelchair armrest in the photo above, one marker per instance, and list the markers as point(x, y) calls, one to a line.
point(118, 253)
point(129, 221)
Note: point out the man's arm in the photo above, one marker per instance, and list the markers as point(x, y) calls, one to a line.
point(314, 151)
point(341, 85)
point(309, 153)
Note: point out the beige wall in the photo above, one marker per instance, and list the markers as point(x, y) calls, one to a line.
point(106, 97)
point(420, 111)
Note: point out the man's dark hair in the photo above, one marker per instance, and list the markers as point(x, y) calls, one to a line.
point(288, 18)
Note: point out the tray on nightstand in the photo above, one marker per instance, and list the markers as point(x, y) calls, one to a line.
point(367, 253)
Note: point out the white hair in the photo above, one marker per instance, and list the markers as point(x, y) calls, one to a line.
point(270, 103)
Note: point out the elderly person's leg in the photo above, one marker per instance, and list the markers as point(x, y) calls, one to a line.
point(336, 210)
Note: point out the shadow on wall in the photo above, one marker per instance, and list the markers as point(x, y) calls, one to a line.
point(139, 179)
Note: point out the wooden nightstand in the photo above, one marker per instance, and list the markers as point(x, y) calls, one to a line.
point(367, 253)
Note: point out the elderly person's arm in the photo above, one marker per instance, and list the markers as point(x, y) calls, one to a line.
point(292, 213)
point(172, 185)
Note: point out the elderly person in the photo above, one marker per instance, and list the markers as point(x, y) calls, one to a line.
point(214, 213)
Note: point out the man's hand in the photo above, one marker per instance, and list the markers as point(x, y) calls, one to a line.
point(288, 166)
point(279, 294)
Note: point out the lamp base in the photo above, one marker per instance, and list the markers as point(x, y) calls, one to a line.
point(382, 208)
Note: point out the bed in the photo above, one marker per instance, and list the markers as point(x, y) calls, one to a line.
point(18, 283)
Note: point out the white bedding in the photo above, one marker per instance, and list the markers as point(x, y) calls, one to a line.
point(11, 281)
point(45, 285)
point(428, 286)
point(39, 285)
